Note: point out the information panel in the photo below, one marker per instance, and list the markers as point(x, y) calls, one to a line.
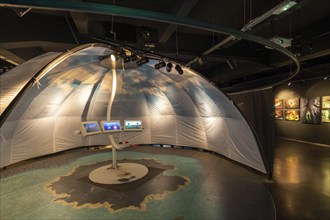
point(133, 125)
point(90, 128)
point(110, 126)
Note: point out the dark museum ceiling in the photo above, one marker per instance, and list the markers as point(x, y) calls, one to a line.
point(27, 32)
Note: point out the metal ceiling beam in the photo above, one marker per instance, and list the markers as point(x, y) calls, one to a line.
point(10, 57)
point(81, 22)
point(212, 58)
point(251, 24)
point(152, 16)
point(183, 12)
point(46, 45)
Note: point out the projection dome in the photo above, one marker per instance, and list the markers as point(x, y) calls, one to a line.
point(182, 110)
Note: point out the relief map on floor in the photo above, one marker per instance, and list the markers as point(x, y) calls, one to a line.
point(59, 188)
point(78, 190)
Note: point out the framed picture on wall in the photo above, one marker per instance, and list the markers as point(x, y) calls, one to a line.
point(279, 114)
point(292, 103)
point(278, 103)
point(310, 111)
point(325, 101)
point(326, 115)
point(292, 115)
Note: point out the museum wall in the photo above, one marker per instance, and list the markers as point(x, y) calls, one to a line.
point(302, 129)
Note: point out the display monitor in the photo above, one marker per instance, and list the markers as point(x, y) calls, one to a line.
point(90, 128)
point(110, 126)
point(133, 125)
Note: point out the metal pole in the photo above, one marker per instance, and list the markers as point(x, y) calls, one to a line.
point(112, 97)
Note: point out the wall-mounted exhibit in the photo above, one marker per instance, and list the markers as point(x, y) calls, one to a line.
point(307, 102)
point(308, 110)
point(177, 109)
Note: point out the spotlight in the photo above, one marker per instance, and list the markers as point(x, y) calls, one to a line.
point(232, 63)
point(169, 67)
point(141, 61)
point(123, 55)
point(201, 60)
point(289, 84)
point(160, 65)
point(134, 57)
point(179, 69)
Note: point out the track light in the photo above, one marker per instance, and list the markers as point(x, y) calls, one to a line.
point(123, 55)
point(169, 67)
point(142, 61)
point(179, 69)
point(201, 60)
point(134, 56)
point(286, 5)
point(159, 65)
point(231, 63)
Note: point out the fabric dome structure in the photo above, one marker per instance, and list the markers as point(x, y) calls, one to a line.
point(67, 89)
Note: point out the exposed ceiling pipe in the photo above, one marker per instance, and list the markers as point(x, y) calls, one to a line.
point(274, 11)
point(88, 7)
point(8, 60)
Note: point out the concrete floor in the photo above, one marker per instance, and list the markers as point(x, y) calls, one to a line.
point(301, 181)
point(195, 185)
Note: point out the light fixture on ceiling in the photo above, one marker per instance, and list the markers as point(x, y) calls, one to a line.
point(179, 69)
point(201, 60)
point(169, 67)
point(284, 7)
point(123, 55)
point(159, 65)
point(134, 56)
point(289, 84)
point(232, 63)
point(142, 61)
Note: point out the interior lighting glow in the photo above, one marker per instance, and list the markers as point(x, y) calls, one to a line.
point(285, 7)
point(113, 57)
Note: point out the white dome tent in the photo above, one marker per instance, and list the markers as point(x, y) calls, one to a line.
point(183, 110)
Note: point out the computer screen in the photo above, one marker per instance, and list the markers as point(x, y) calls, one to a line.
point(133, 125)
point(110, 126)
point(89, 128)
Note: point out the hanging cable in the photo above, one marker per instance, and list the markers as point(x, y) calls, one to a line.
point(250, 10)
point(244, 13)
point(72, 32)
point(112, 21)
point(176, 42)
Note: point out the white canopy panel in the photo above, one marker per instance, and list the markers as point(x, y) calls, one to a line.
point(184, 110)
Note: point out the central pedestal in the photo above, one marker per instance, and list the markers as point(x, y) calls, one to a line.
point(125, 173)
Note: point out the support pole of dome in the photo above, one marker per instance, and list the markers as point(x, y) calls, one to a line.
point(112, 97)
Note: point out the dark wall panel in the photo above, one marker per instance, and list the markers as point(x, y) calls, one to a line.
point(319, 133)
point(257, 108)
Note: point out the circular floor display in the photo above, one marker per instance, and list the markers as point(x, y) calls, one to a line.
point(125, 173)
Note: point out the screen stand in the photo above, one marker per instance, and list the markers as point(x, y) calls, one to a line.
point(117, 173)
point(114, 152)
